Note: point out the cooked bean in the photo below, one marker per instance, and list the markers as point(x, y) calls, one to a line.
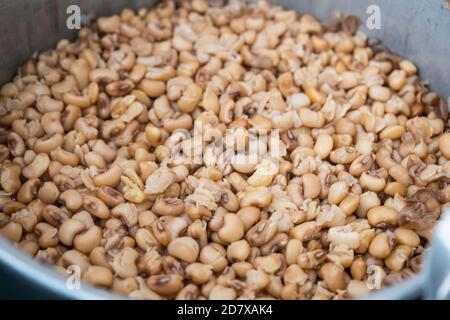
point(98, 276)
point(166, 285)
point(407, 237)
point(360, 165)
point(168, 207)
point(111, 177)
point(10, 177)
point(69, 229)
point(95, 206)
point(398, 257)
point(382, 215)
point(444, 145)
point(337, 192)
point(72, 199)
point(343, 155)
point(184, 248)
point(152, 88)
point(86, 241)
point(249, 216)
point(238, 250)
point(323, 146)
point(372, 181)
point(408, 67)
point(350, 203)
point(257, 279)
point(75, 258)
point(37, 167)
point(333, 276)
point(124, 263)
point(311, 186)
point(213, 254)
point(28, 190)
point(49, 192)
point(401, 175)
point(64, 157)
point(379, 93)
point(110, 196)
point(199, 273)
point(232, 229)
point(48, 235)
point(222, 293)
point(381, 245)
point(12, 231)
point(358, 269)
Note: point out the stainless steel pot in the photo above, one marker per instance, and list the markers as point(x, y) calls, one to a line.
point(417, 29)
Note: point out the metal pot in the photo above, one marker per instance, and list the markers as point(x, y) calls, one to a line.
point(416, 29)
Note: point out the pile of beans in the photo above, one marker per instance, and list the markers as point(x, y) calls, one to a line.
point(88, 133)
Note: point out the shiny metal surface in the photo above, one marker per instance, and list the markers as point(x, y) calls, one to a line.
point(417, 29)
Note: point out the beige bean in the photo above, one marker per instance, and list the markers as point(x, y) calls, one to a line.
point(249, 216)
point(382, 215)
point(382, 245)
point(37, 167)
point(407, 237)
point(64, 157)
point(392, 188)
point(398, 258)
point(86, 241)
point(350, 203)
point(333, 276)
point(168, 207)
point(257, 279)
point(311, 119)
point(222, 293)
point(28, 190)
point(98, 276)
point(72, 199)
point(372, 181)
point(199, 273)
point(165, 285)
point(95, 206)
point(68, 230)
point(361, 164)
point(184, 248)
point(408, 67)
point(12, 231)
point(124, 263)
point(16, 144)
point(444, 145)
point(10, 177)
point(293, 249)
point(232, 229)
point(401, 175)
point(379, 93)
point(238, 251)
point(190, 98)
point(48, 193)
point(392, 132)
point(111, 177)
point(213, 254)
point(323, 146)
point(256, 196)
point(337, 192)
point(48, 235)
point(343, 155)
point(75, 258)
point(311, 186)
point(358, 269)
